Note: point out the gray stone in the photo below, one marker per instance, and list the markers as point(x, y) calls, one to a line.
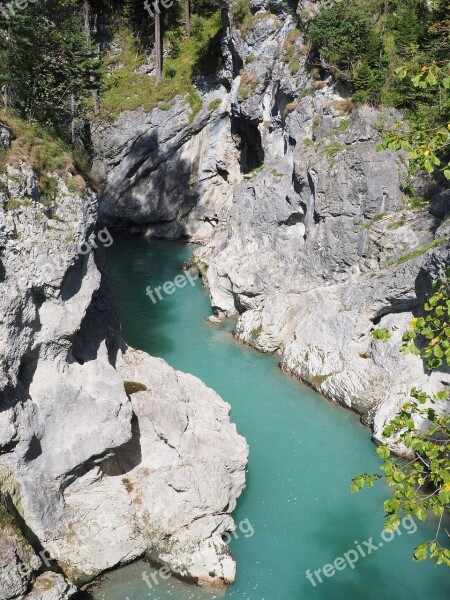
point(5, 136)
point(18, 563)
point(51, 586)
point(73, 443)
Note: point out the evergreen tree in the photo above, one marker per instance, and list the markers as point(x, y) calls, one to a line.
point(407, 28)
point(48, 64)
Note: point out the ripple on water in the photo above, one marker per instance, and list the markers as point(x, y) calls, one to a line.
point(303, 453)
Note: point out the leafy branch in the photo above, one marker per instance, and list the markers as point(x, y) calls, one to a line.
point(421, 485)
point(426, 147)
point(429, 336)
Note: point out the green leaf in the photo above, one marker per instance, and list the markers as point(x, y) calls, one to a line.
point(421, 552)
point(381, 334)
point(383, 452)
point(438, 352)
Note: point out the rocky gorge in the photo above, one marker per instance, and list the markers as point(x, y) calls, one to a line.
point(305, 230)
point(106, 454)
point(305, 235)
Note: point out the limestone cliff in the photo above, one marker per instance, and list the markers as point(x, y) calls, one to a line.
point(306, 230)
point(106, 454)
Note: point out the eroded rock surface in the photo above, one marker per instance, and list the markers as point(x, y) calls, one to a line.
point(96, 475)
point(167, 173)
point(51, 586)
point(315, 246)
point(18, 563)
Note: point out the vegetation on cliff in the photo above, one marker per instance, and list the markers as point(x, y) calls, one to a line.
point(421, 485)
point(57, 72)
point(376, 47)
point(128, 89)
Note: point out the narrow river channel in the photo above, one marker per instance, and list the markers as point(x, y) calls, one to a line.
point(297, 512)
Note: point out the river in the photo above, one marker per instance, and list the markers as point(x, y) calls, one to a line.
point(297, 512)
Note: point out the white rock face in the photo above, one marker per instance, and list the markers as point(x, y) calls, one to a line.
point(174, 482)
point(313, 247)
point(98, 476)
point(18, 564)
point(170, 176)
point(51, 586)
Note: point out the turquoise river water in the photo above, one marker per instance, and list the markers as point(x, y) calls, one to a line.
point(297, 512)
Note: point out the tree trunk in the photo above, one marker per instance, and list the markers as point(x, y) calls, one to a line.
point(158, 46)
point(187, 17)
point(86, 18)
point(87, 31)
point(6, 96)
point(95, 102)
point(72, 117)
point(383, 29)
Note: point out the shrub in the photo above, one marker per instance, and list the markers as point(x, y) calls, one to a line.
point(247, 87)
point(215, 104)
point(170, 72)
point(241, 14)
point(175, 50)
point(195, 102)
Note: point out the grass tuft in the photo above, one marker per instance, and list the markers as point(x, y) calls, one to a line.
point(419, 251)
point(127, 90)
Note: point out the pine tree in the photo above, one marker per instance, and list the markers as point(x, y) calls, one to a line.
point(158, 47)
point(407, 28)
point(48, 64)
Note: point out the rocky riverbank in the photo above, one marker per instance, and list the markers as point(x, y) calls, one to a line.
point(106, 454)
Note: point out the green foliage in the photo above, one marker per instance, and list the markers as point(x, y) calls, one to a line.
point(5, 517)
point(381, 334)
point(346, 43)
point(363, 42)
point(422, 484)
point(290, 52)
point(429, 336)
point(170, 72)
point(419, 251)
point(417, 202)
point(16, 203)
point(127, 90)
point(44, 151)
point(48, 187)
point(175, 50)
point(197, 29)
point(48, 63)
point(195, 102)
point(247, 86)
point(397, 224)
point(214, 104)
point(241, 14)
point(205, 8)
point(427, 147)
point(333, 148)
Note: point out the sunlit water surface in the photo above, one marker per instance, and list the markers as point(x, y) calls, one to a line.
point(304, 451)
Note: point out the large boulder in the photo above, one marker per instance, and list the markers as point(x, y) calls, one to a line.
point(74, 441)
